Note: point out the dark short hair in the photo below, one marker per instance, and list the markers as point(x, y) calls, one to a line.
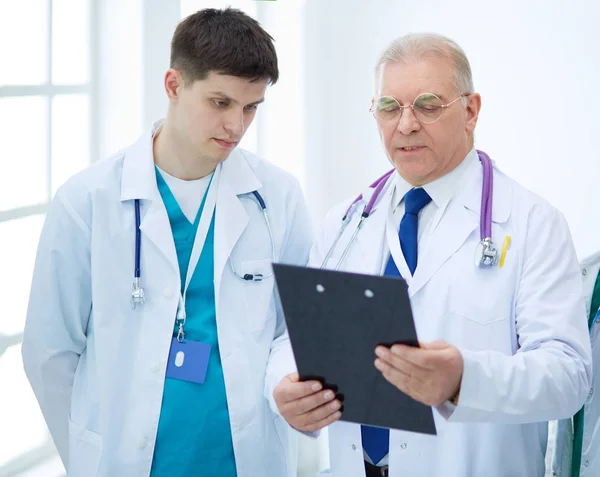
point(225, 41)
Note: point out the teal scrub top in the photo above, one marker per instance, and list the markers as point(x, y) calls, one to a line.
point(194, 433)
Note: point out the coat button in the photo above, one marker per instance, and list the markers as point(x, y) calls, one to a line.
point(143, 443)
point(584, 272)
point(591, 391)
point(168, 293)
point(155, 367)
point(353, 447)
point(403, 446)
point(587, 463)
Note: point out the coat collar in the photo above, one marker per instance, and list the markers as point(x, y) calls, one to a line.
point(139, 182)
point(139, 177)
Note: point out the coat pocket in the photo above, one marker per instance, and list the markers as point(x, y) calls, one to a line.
point(258, 295)
point(85, 451)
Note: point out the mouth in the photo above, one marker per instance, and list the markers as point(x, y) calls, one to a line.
point(224, 143)
point(411, 148)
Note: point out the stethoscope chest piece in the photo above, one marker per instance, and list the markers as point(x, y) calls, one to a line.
point(137, 294)
point(486, 255)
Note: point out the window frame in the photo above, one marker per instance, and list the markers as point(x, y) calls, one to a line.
point(46, 452)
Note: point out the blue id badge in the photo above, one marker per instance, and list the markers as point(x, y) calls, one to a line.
point(188, 361)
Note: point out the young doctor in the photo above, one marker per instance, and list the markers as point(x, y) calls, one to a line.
point(152, 324)
point(493, 279)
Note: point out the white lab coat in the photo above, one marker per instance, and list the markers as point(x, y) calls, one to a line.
point(97, 367)
point(521, 330)
point(563, 448)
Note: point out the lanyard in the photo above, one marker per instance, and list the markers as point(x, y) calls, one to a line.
point(199, 240)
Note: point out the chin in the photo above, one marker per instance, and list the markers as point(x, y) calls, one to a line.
point(217, 154)
point(412, 173)
point(222, 156)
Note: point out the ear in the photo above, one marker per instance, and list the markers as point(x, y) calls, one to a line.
point(472, 111)
point(173, 83)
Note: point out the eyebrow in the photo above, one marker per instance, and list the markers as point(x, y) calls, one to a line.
point(441, 96)
point(231, 100)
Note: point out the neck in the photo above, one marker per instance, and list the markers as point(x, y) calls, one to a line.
point(173, 156)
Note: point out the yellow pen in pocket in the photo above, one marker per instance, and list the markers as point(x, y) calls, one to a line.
point(505, 248)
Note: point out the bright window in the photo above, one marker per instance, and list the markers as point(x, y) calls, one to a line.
point(45, 136)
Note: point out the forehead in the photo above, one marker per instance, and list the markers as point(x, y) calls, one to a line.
point(236, 88)
point(406, 80)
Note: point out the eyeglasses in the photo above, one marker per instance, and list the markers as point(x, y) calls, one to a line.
point(427, 108)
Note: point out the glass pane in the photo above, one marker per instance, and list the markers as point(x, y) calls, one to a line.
point(70, 137)
point(24, 40)
point(70, 42)
point(18, 244)
point(23, 427)
point(24, 151)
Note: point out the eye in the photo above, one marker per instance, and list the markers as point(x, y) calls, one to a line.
point(251, 107)
point(391, 108)
point(219, 103)
point(428, 108)
point(386, 105)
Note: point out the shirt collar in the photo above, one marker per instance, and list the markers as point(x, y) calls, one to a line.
point(441, 190)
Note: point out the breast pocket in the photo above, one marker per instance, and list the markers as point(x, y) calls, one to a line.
point(482, 296)
point(479, 318)
point(85, 450)
point(258, 295)
point(477, 311)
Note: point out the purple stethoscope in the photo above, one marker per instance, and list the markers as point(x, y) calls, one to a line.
point(486, 254)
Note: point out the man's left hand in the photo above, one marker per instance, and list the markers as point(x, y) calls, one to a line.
point(430, 374)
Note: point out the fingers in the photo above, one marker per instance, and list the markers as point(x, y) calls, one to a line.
point(397, 377)
point(321, 423)
point(290, 389)
point(403, 357)
point(430, 374)
point(302, 407)
point(308, 403)
point(312, 418)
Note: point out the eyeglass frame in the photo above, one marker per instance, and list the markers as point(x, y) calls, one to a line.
point(412, 106)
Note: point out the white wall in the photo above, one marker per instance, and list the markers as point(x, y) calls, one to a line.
point(160, 20)
point(133, 47)
point(118, 74)
point(536, 65)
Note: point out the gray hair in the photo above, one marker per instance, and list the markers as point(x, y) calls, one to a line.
point(424, 45)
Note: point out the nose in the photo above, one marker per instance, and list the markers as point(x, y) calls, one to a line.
point(234, 123)
point(408, 123)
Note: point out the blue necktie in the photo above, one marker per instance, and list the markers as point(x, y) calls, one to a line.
point(376, 440)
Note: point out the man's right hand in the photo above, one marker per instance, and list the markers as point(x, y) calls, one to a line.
point(305, 405)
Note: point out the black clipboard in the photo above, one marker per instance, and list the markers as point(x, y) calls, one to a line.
point(335, 320)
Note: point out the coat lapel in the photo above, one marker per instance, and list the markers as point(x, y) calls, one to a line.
point(231, 218)
point(460, 220)
point(138, 181)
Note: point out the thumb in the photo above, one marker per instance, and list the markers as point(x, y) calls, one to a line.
point(293, 378)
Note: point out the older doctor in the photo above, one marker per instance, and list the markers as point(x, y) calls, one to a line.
point(504, 348)
point(170, 376)
point(577, 440)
